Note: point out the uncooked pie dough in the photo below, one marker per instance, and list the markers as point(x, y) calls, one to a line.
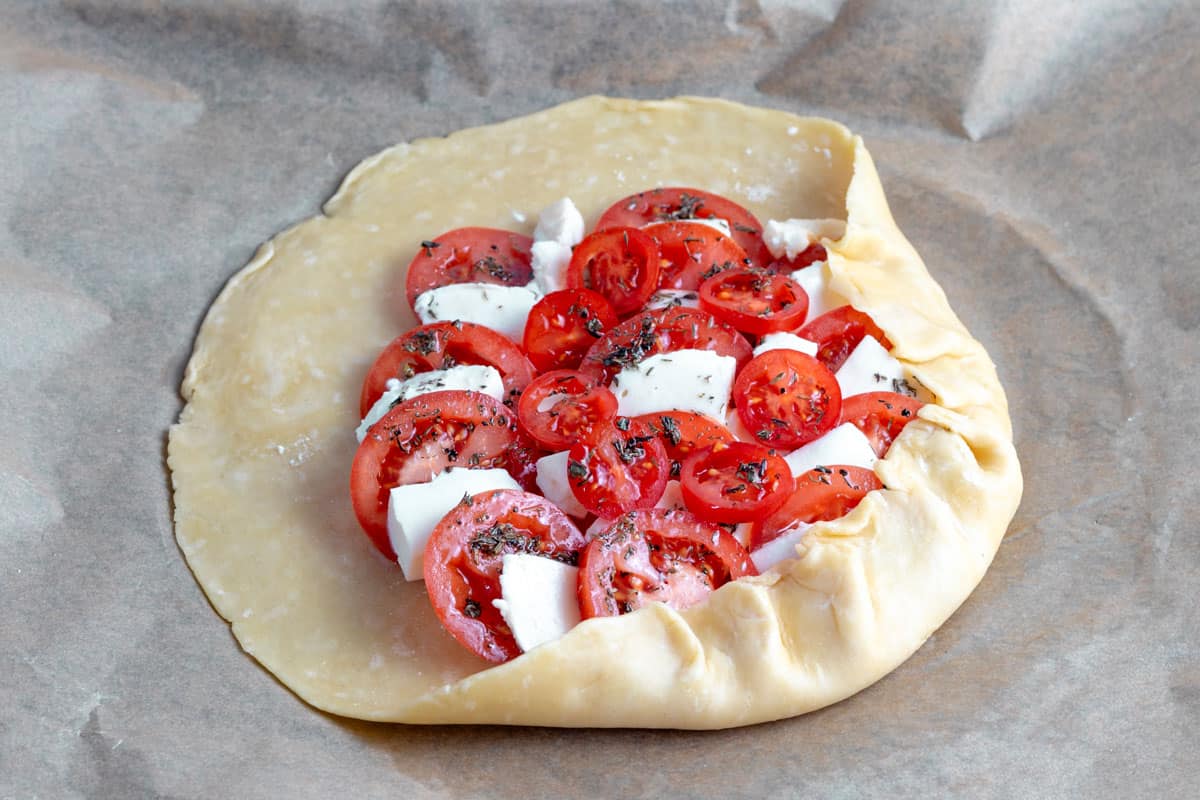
point(260, 457)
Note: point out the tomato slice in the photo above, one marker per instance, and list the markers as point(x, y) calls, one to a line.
point(692, 252)
point(622, 264)
point(563, 325)
point(880, 416)
point(440, 345)
point(754, 301)
point(683, 432)
point(787, 398)
point(660, 555)
point(464, 557)
point(822, 493)
point(469, 255)
point(838, 332)
point(676, 203)
point(661, 331)
point(806, 257)
point(736, 482)
point(419, 438)
point(619, 466)
point(561, 406)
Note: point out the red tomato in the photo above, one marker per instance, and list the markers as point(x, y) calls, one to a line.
point(561, 406)
point(463, 561)
point(619, 466)
point(754, 301)
point(621, 264)
point(419, 438)
point(736, 482)
point(661, 331)
point(881, 416)
point(676, 203)
point(660, 555)
point(683, 432)
point(563, 325)
point(444, 344)
point(787, 398)
point(838, 332)
point(810, 255)
point(469, 255)
point(692, 252)
point(821, 494)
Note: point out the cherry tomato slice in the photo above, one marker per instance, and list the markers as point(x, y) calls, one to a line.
point(880, 416)
point(464, 557)
point(619, 466)
point(676, 203)
point(622, 264)
point(469, 255)
point(660, 555)
point(661, 331)
point(787, 398)
point(754, 301)
point(561, 406)
point(736, 482)
point(419, 438)
point(444, 344)
point(838, 332)
point(692, 252)
point(823, 493)
point(683, 432)
point(563, 325)
point(806, 257)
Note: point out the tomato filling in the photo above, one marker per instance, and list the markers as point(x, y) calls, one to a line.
point(559, 433)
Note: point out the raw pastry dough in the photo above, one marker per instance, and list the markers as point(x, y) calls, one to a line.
point(260, 457)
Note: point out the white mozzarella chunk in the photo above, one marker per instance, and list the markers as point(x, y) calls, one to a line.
point(791, 237)
point(845, 444)
point(871, 368)
point(786, 341)
point(780, 548)
point(549, 263)
point(415, 509)
point(467, 377)
point(560, 222)
point(673, 298)
point(501, 308)
point(681, 380)
point(672, 496)
point(538, 598)
point(555, 486)
point(739, 430)
point(814, 279)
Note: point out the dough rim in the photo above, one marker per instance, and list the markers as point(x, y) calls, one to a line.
point(741, 658)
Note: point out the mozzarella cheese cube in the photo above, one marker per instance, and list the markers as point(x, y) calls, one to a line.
point(780, 548)
point(845, 445)
point(681, 380)
point(501, 308)
point(549, 263)
point(716, 223)
point(560, 222)
point(789, 238)
point(871, 368)
point(739, 430)
point(786, 341)
point(555, 486)
point(814, 279)
point(673, 298)
point(672, 496)
point(538, 598)
point(415, 509)
point(467, 377)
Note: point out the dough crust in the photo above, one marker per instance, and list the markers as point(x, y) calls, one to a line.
point(260, 457)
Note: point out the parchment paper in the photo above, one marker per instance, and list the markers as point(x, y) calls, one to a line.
point(1043, 158)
